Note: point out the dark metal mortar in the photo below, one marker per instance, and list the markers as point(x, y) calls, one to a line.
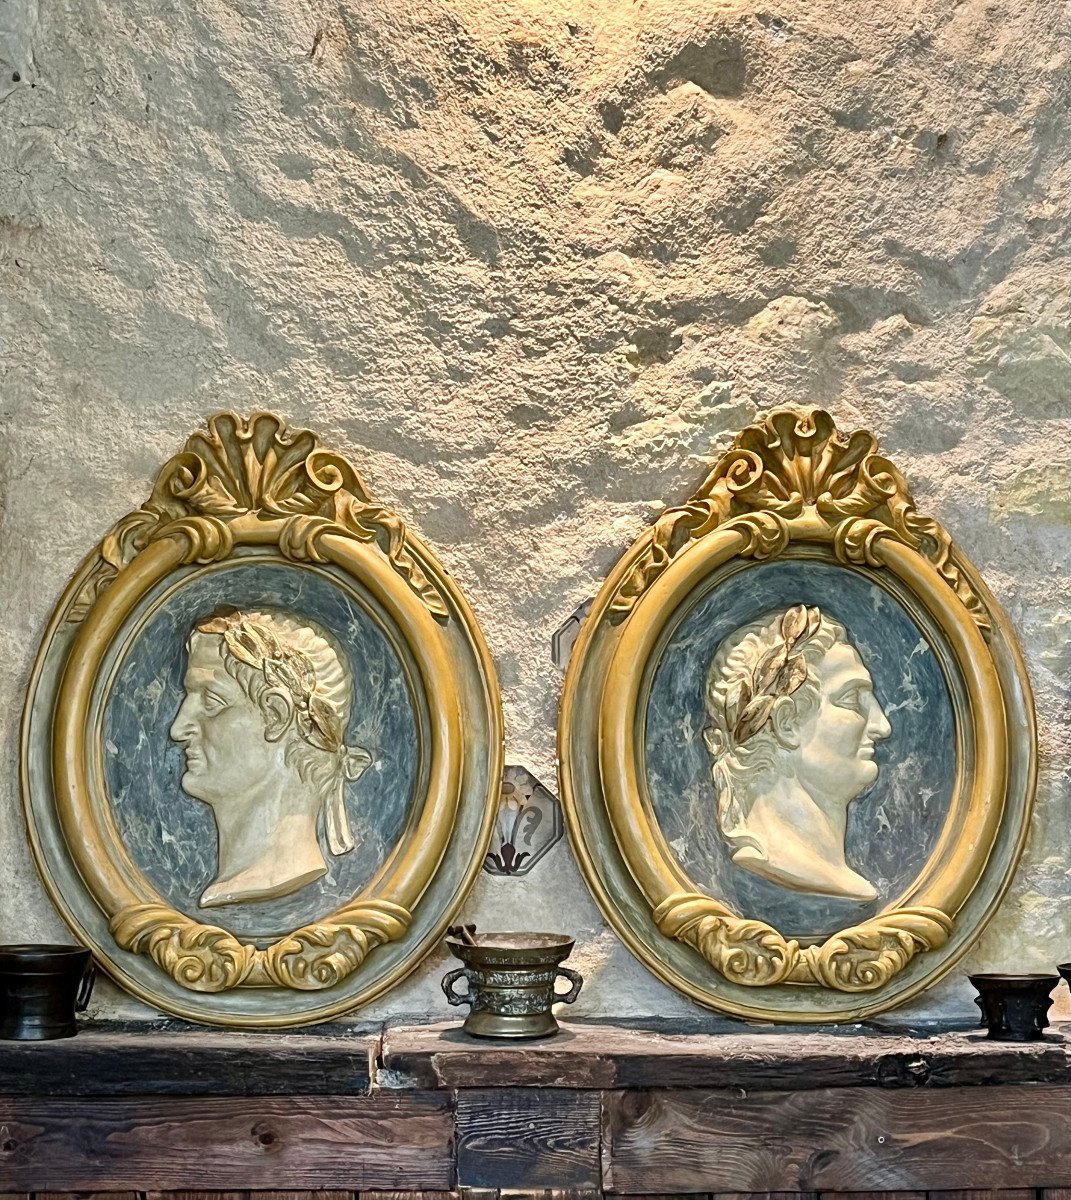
point(42, 986)
point(1015, 1007)
point(511, 979)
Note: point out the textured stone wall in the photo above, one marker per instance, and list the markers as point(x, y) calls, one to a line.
point(527, 260)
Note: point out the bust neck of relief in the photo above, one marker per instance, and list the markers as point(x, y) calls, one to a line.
point(790, 841)
point(267, 850)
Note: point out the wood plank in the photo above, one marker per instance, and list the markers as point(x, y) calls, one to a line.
point(108, 1060)
point(261, 1195)
point(240, 1195)
point(1002, 1194)
point(606, 1056)
point(874, 1195)
point(85, 1196)
point(684, 1196)
point(525, 1139)
point(837, 1139)
point(558, 1194)
point(323, 1195)
point(160, 1144)
point(199, 1195)
point(759, 1196)
point(397, 1196)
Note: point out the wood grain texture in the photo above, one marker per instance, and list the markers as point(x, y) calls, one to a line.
point(551, 1194)
point(598, 1056)
point(242, 1143)
point(760, 1196)
point(203, 1195)
point(1002, 1194)
point(401, 1196)
point(683, 1196)
point(525, 1139)
point(86, 1196)
point(848, 1139)
point(875, 1195)
point(106, 1061)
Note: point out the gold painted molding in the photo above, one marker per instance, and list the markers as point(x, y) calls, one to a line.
point(786, 478)
point(254, 485)
point(237, 467)
point(790, 485)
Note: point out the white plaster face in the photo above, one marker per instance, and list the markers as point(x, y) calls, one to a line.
point(221, 730)
point(835, 753)
point(783, 789)
point(264, 768)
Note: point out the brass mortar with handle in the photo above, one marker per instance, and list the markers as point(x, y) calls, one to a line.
point(511, 981)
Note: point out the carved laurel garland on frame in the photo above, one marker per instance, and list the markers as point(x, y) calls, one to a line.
point(238, 466)
point(797, 467)
point(791, 465)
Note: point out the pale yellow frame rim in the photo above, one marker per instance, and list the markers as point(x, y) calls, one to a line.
point(70, 751)
point(450, 658)
point(575, 714)
point(968, 835)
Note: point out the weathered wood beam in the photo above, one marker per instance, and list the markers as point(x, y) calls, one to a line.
point(837, 1139)
point(597, 1056)
point(523, 1139)
point(160, 1143)
point(106, 1061)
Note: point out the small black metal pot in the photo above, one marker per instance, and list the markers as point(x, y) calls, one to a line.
point(1015, 1007)
point(511, 978)
point(41, 988)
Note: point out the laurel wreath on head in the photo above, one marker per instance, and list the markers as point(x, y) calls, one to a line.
point(780, 671)
point(282, 667)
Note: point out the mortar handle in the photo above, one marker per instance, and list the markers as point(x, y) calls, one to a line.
point(448, 987)
point(576, 979)
point(85, 987)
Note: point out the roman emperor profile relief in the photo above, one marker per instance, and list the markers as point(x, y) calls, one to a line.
point(262, 725)
point(793, 721)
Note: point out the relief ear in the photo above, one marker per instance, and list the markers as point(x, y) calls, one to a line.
point(785, 724)
point(277, 708)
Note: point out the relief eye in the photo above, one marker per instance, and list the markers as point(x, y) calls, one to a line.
point(213, 702)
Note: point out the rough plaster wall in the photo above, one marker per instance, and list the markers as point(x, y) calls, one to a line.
point(527, 260)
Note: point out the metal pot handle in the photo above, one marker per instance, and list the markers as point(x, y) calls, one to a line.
point(448, 987)
point(85, 988)
point(576, 979)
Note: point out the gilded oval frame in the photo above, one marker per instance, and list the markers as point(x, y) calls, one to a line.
point(254, 487)
point(790, 486)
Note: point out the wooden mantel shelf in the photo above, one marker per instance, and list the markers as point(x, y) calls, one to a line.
point(172, 1058)
point(598, 1110)
point(608, 1056)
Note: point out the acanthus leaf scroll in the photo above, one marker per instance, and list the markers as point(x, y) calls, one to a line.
point(255, 465)
point(787, 471)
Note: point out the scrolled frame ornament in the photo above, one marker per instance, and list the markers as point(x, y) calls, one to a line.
point(792, 485)
point(255, 486)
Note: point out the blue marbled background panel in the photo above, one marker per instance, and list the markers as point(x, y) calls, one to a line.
point(172, 837)
point(892, 827)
